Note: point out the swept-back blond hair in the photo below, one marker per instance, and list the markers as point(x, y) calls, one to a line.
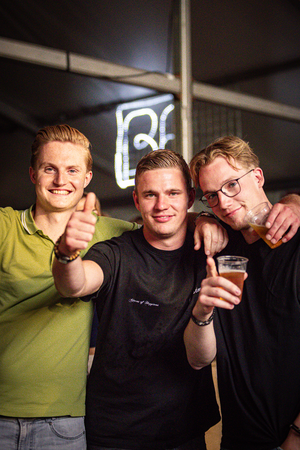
point(61, 133)
point(232, 148)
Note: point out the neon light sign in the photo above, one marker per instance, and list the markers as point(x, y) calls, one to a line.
point(142, 126)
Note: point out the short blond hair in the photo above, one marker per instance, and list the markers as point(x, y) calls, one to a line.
point(61, 133)
point(163, 159)
point(232, 148)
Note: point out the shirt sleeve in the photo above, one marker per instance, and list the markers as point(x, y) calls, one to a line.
point(103, 254)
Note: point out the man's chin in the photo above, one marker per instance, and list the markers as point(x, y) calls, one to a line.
point(62, 207)
point(237, 226)
point(240, 227)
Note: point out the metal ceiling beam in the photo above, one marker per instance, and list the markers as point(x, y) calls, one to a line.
point(163, 82)
point(31, 53)
point(245, 102)
point(93, 67)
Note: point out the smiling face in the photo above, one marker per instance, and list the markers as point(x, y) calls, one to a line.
point(232, 210)
point(60, 176)
point(162, 198)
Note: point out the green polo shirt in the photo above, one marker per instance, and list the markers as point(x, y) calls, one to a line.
point(44, 338)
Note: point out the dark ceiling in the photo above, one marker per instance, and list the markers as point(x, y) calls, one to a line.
point(251, 47)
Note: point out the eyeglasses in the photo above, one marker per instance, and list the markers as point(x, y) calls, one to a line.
point(230, 189)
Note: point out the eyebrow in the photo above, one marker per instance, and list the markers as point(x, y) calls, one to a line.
point(73, 166)
point(212, 192)
point(151, 191)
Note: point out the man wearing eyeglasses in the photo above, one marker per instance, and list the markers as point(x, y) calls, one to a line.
point(257, 339)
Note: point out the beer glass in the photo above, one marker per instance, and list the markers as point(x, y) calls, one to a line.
point(257, 218)
point(233, 268)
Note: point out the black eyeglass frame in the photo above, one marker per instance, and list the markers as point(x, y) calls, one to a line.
point(204, 200)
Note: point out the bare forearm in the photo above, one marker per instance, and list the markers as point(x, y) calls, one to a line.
point(72, 276)
point(200, 344)
point(291, 199)
point(69, 278)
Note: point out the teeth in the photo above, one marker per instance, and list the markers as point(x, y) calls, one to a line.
point(59, 192)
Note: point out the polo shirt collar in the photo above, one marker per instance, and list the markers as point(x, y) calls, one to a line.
point(27, 220)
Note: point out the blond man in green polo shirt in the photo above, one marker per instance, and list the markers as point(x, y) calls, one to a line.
point(45, 338)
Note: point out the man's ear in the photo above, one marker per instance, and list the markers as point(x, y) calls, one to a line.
point(259, 175)
point(88, 178)
point(32, 175)
point(191, 200)
point(136, 200)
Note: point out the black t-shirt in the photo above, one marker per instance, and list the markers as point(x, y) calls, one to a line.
point(258, 347)
point(142, 393)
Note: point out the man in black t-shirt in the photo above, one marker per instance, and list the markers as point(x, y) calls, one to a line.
point(257, 338)
point(142, 393)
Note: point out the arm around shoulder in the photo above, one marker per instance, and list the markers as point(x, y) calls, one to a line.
point(284, 219)
point(292, 200)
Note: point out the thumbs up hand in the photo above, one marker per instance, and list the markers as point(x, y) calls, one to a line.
point(211, 270)
point(80, 228)
point(89, 204)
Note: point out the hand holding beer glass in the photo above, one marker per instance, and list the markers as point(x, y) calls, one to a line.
point(233, 268)
point(257, 218)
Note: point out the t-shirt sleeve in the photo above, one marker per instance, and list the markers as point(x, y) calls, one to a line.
point(103, 254)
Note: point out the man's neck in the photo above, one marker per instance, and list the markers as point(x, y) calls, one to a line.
point(250, 236)
point(168, 243)
point(52, 224)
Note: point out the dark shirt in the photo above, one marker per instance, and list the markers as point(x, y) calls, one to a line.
point(142, 393)
point(258, 347)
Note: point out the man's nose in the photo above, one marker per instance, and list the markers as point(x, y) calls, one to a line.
point(161, 202)
point(60, 178)
point(224, 200)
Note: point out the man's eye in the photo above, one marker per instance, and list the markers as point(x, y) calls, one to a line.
point(231, 184)
point(211, 196)
point(49, 169)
